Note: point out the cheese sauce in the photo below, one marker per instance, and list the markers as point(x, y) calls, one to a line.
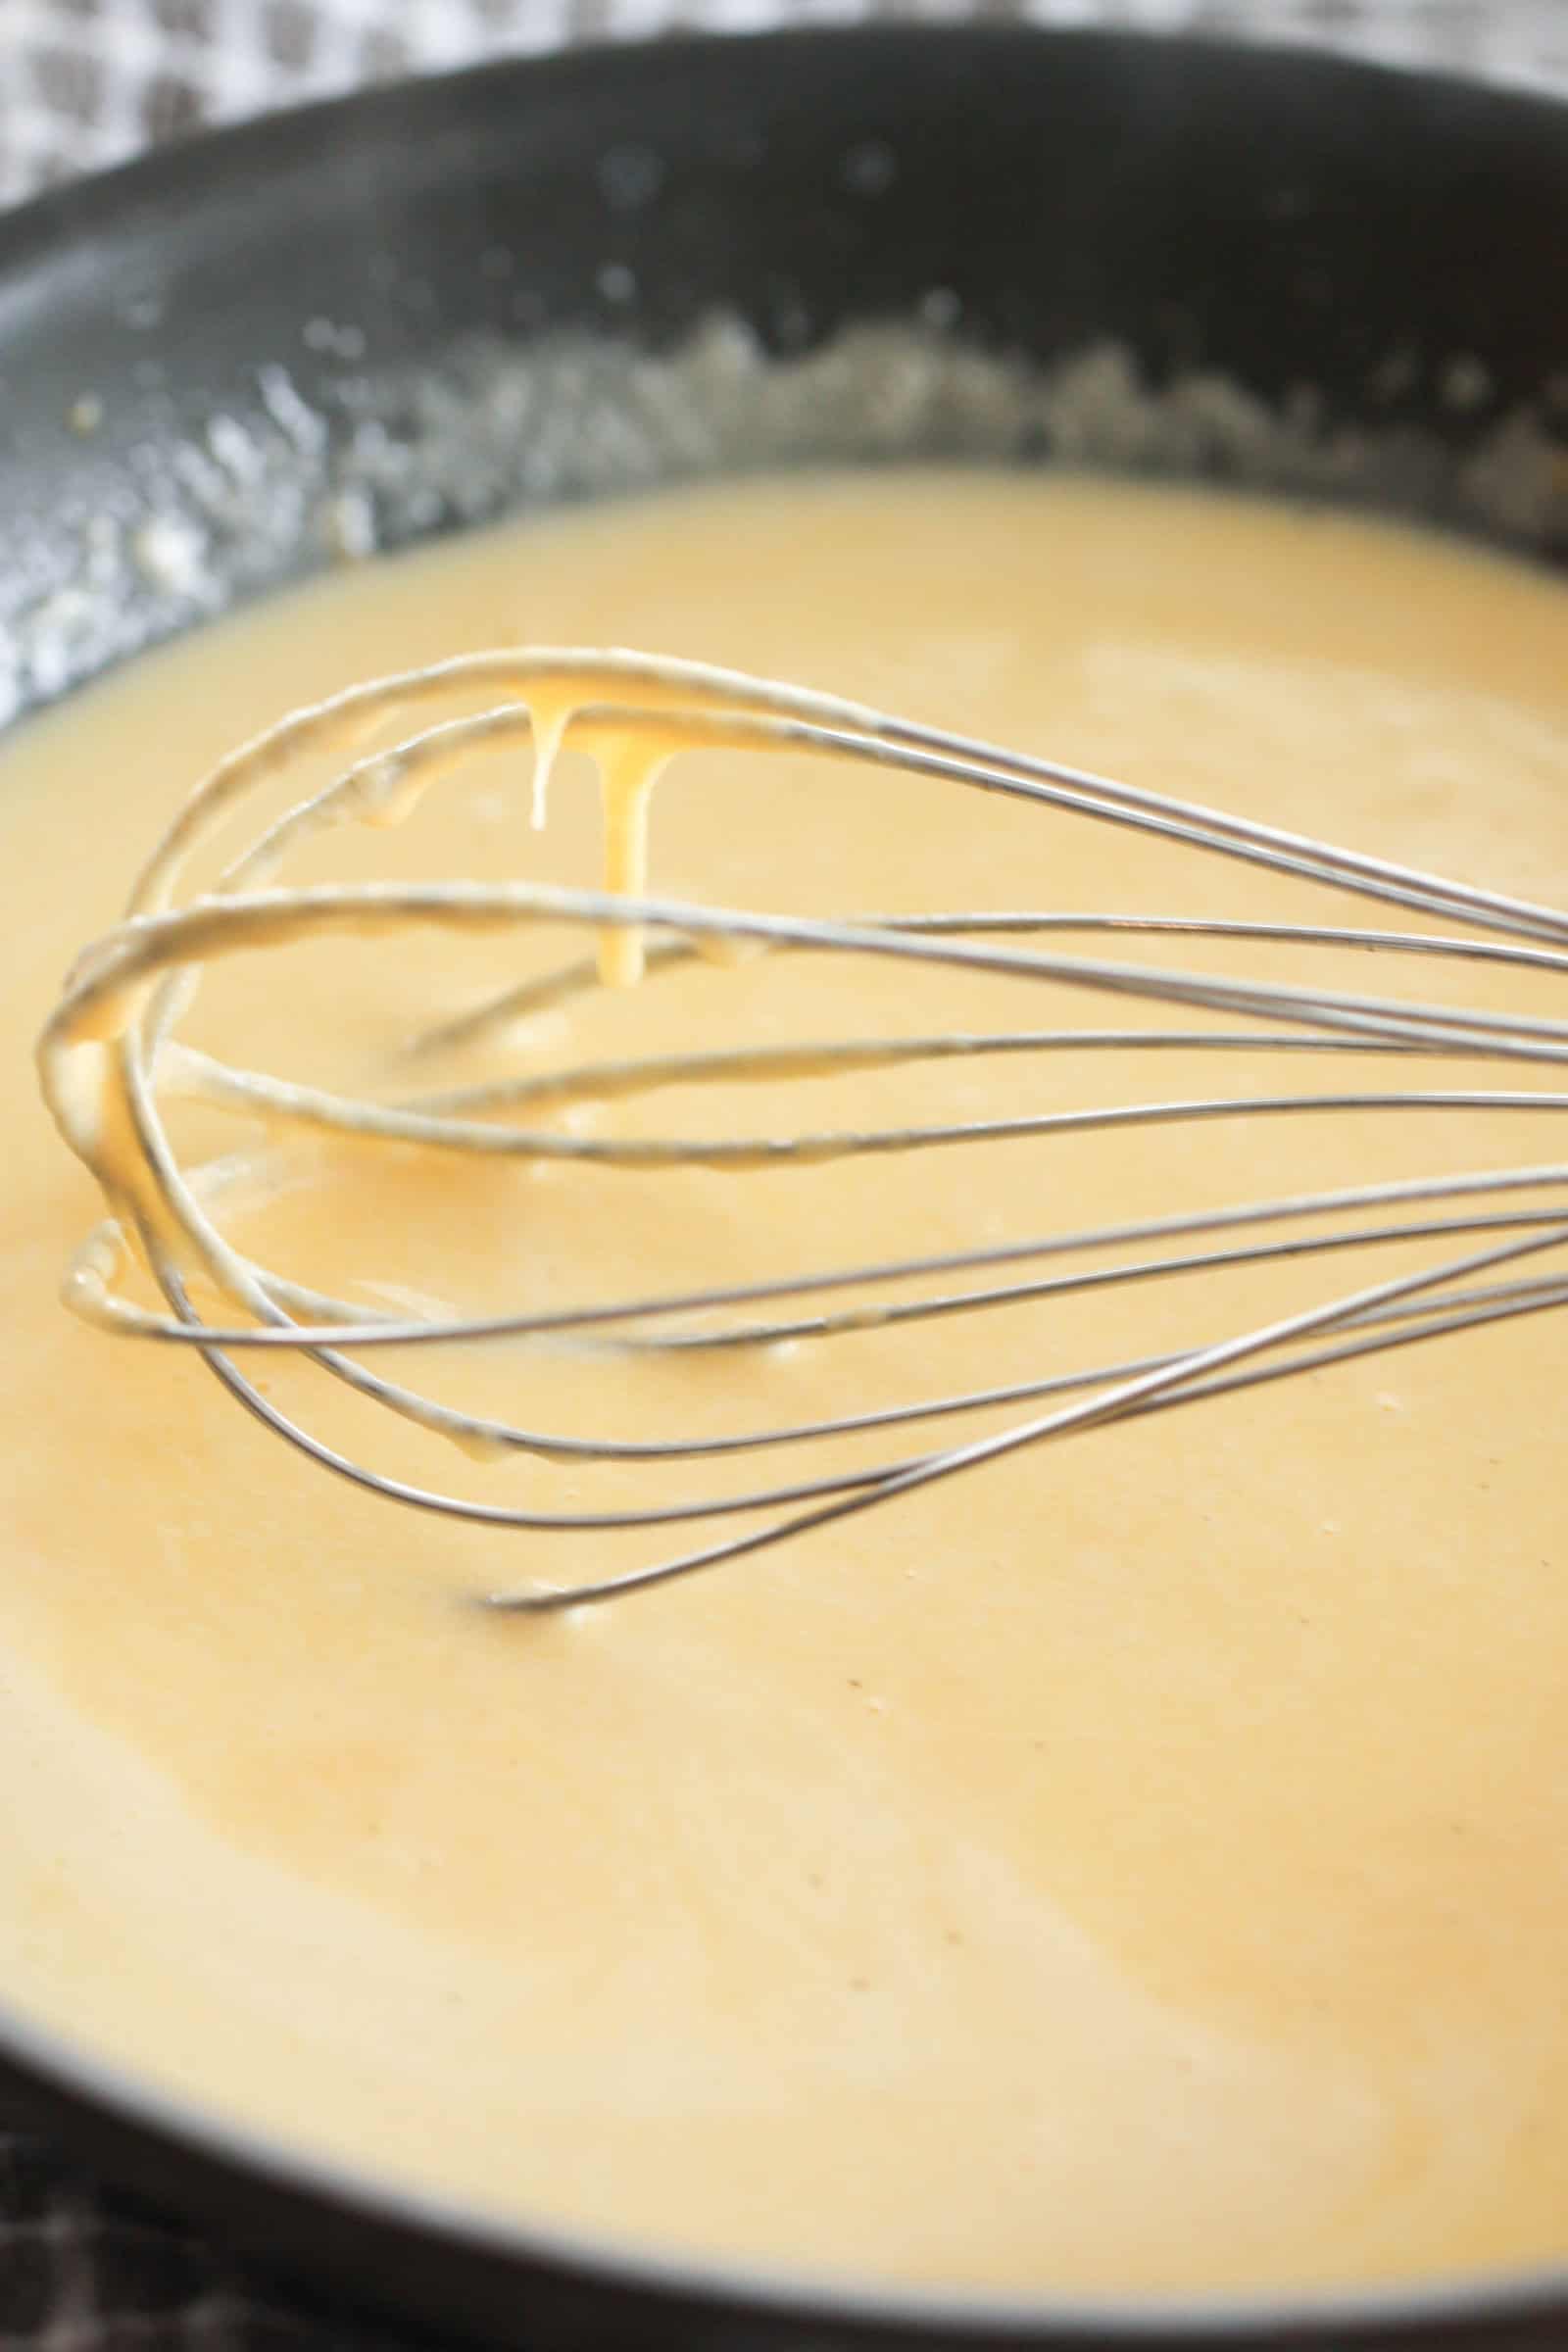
point(1135, 1866)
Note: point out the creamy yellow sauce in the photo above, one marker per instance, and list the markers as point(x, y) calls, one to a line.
point(1137, 1865)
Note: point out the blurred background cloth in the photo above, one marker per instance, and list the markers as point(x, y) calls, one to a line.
point(86, 82)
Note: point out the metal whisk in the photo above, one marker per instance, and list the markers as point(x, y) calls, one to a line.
point(111, 1052)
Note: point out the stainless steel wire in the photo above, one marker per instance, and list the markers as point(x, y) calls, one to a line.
point(111, 1056)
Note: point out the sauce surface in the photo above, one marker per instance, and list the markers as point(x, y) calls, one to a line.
point(1136, 1865)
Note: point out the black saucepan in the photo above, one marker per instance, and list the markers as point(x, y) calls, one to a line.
point(228, 364)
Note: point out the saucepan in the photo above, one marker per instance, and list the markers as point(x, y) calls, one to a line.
point(337, 331)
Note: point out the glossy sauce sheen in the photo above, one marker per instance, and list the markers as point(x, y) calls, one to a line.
point(1136, 1865)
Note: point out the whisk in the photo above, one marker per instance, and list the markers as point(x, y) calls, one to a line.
point(111, 1052)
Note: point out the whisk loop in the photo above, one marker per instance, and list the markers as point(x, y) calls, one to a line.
point(111, 1058)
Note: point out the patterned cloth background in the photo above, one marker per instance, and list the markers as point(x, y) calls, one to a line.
point(86, 82)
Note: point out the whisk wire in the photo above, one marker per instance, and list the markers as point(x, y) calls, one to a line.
point(111, 1056)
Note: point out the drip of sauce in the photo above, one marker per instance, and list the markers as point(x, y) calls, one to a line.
point(627, 778)
point(1136, 1868)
